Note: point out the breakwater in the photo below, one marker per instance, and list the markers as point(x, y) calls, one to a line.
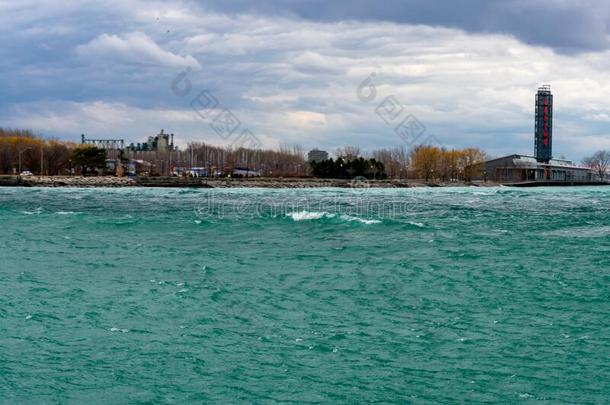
point(110, 181)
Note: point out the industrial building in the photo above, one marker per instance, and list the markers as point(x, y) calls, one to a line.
point(108, 144)
point(153, 155)
point(161, 143)
point(542, 168)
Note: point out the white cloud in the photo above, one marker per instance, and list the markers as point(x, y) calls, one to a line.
point(97, 118)
point(133, 48)
point(293, 80)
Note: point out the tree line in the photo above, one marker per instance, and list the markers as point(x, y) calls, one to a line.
point(434, 163)
point(287, 161)
point(429, 163)
point(348, 168)
point(23, 150)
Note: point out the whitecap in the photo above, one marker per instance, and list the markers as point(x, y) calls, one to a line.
point(67, 213)
point(37, 211)
point(349, 218)
point(417, 224)
point(119, 330)
point(309, 215)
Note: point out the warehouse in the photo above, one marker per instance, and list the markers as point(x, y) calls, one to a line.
point(520, 168)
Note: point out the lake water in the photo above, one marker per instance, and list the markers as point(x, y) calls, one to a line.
point(228, 296)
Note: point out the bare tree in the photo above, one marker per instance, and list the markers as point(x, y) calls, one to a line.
point(600, 162)
point(287, 161)
point(395, 160)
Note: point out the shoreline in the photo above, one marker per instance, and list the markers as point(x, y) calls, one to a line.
point(184, 182)
point(259, 182)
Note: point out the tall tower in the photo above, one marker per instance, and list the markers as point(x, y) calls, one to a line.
point(543, 144)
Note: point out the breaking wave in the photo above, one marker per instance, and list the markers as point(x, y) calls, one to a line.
point(316, 215)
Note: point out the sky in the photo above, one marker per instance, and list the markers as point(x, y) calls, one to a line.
point(315, 73)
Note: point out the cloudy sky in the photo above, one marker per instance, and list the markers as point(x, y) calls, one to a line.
point(294, 71)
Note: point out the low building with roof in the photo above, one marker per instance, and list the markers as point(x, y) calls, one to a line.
point(515, 169)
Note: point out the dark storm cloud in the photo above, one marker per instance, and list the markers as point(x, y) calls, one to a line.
point(567, 26)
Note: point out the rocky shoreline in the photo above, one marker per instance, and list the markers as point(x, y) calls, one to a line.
point(110, 181)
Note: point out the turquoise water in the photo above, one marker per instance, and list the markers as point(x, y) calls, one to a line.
point(327, 296)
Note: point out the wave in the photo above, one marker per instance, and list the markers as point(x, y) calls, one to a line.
point(316, 215)
point(37, 211)
point(309, 215)
point(581, 232)
point(349, 218)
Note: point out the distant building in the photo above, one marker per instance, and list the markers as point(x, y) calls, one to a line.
point(347, 157)
point(160, 143)
point(317, 155)
point(246, 172)
point(523, 169)
point(190, 171)
point(540, 168)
